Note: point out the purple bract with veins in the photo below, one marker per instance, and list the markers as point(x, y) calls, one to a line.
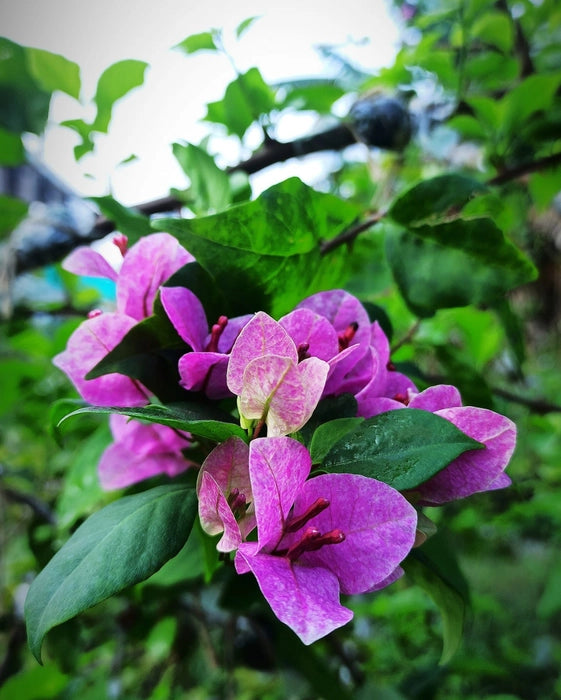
point(318, 538)
point(274, 387)
point(335, 327)
point(475, 470)
point(146, 265)
point(225, 495)
point(140, 451)
point(204, 369)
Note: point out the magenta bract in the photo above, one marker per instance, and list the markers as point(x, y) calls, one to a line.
point(320, 537)
point(140, 451)
point(272, 385)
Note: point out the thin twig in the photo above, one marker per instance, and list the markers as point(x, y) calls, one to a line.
point(39, 508)
point(540, 406)
point(407, 337)
point(350, 234)
point(526, 168)
point(536, 405)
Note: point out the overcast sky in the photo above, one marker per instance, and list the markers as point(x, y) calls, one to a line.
point(177, 87)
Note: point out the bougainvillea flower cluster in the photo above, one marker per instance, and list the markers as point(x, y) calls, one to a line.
point(308, 537)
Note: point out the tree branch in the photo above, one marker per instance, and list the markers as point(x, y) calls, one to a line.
point(526, 168)
point(350, 234)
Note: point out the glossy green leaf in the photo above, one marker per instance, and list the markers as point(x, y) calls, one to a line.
point(201, 419)
point(115, 82)
point(24, 104)
point(11, 149)
point(265, 254)
point(455, 264)
point(204, 41)
point(328, 409)
point(128, 221)
point(210, 189)
point(12, 212)
point(245, 100)
point(434, 199)
point(54, 72)
point(330, 433)
point(434, 568)
point(403, 448)
point(136, 534)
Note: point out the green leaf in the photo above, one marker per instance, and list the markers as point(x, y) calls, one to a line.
point(472, 385)
point(549, 603)
point(197, 42)
point(245, 25)
point(11, 149)
point(469, 127)
point(455, 264)
point(434, 568)
point(488, 111)
point(317, 96)
point(12, 212)
point(35, 683)
point(265, 254)
point(246, 98)
point(115, 82)
point(84, 130)
point(514, 330)
point(210, 189)
point(128, 221)
point(328, 409)
point(24, 104)
point(54, 72)
point(534, 94)
point(328, 434)
point(199, 418)
point(403, 448)
point(494, 28)
point(81, 492)
point(122, 544)
point(434, 199)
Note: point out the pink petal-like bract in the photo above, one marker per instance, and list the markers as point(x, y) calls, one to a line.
point(204, 371)
point(225, 474)
point(305, 599)
point(436, 398)
point(378, 522)
point(140, 451)
point(187, 315)
point(341, 309)
point(89, 344)
point(89, 263)
point(146, 266)
point(475, 470)
point(261, 336)
point(282, 392)
point(306, 327)
point(278, 467)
